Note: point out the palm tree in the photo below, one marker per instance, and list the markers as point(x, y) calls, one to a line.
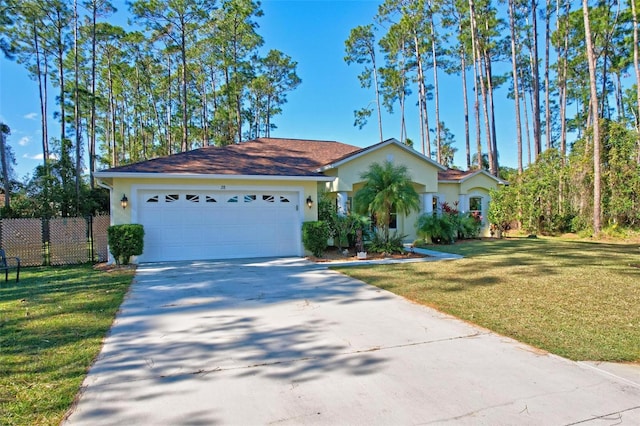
point(387, 188)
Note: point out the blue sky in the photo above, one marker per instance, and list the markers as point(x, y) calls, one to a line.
point(312, 32)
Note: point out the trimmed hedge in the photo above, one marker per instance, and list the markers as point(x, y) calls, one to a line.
point(315, 236)
point(125, 241)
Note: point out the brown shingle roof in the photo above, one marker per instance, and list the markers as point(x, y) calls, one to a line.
point(452, 174)
point(459, 175)
point(262, 156)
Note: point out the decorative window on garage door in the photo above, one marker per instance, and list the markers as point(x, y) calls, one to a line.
point(212, 198)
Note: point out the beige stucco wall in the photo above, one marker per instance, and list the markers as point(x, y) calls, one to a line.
point(424, 174)
point(479, 186)
point(478, 181)
point(448, 192)
point(130, 186)
point(475, 186)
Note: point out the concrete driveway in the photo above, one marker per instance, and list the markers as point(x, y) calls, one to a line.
point(282, 341)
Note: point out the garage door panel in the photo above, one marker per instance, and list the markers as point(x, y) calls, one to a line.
point(253, 224)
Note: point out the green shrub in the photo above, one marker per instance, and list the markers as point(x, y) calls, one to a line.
point(503, 209)
point(343, 228)
point(125, 241)
point(326, 206)
point(579, 224)
point(379, 245)
point(469, 226)
point(449, 227)
point(440, 229)
point(315, 236)
point(420, 243)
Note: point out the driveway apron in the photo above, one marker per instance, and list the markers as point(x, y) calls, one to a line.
point(283, 341)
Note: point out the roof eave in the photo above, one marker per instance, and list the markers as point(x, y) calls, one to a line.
point(486, 173)
point(469, 176)
point(132, 175)
point(381, 145)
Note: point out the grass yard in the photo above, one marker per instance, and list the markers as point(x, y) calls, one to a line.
point(580, 300)
point(51, 328)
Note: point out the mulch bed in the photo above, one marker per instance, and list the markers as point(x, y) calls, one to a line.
point(336, 256)
point(105, 267)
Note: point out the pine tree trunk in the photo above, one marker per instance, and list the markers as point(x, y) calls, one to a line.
point(185, 146)
point(437, 93)
point(61, 80)
point(168, 103)
point(465, 96)
point(76, 106)
point(422, 101)
point(476, 83)
point(562, 83)
point(92, 130)
point(526, 119)
point(547, 88)
point(476, 112)
point(485, 111)
point(6, 182)
point(377, 88)
point(42, 92)
point(493, 141)
point(591, 59)
point(516, 91)
point(535, 83)
point(619, 98)
point(112, 116)
point(403, 124)
point(636, 68)
point(205, 114)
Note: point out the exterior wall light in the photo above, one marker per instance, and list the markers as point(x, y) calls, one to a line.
point(309, 201)
point(124, 201)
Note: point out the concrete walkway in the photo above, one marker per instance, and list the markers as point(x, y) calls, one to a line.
point(283, 341)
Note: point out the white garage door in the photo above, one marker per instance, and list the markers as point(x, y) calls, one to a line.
point(190, 225)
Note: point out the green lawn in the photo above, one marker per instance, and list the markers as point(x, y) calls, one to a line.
point(51, 328)
point(580, 300)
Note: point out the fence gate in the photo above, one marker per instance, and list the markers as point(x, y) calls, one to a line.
point(23, 238)
point(58, 241)
point(99, 226)
point(68, 239)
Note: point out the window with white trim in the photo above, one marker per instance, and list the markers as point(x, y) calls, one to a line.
point(393, 219)
point(475, 207)
point(436, 207)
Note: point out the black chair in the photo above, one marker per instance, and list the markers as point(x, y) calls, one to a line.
point(5, 265)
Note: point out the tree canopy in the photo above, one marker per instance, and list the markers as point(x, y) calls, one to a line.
point(184, 74)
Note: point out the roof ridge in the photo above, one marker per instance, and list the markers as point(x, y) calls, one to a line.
point(296, 139)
